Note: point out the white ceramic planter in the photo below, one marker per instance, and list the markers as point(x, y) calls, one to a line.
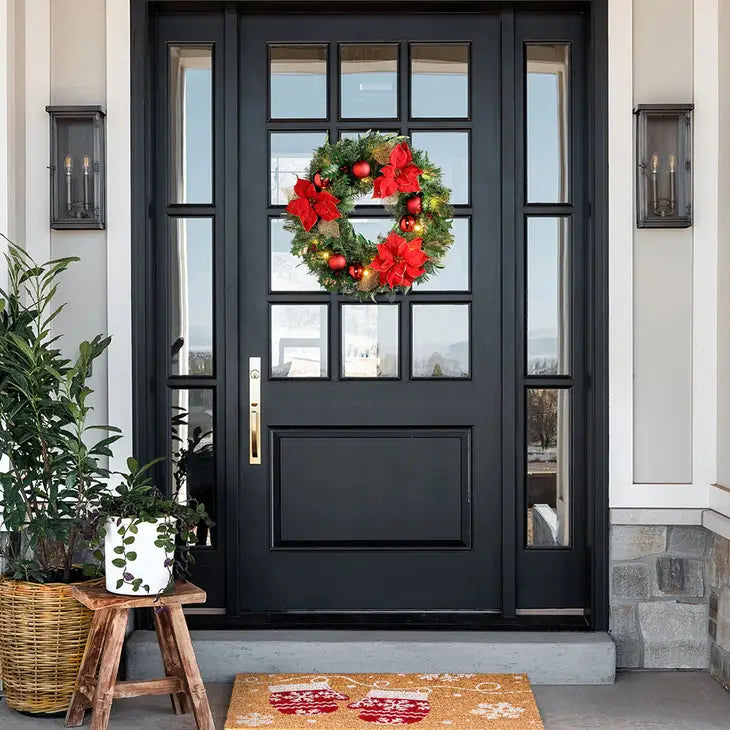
point(149, 565)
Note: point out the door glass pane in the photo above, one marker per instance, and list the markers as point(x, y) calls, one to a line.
point(299, 341)
point(372, 228)
point(548, 115)
point(548, 467)
point(454, 276)
point(548, 296)
point(288, 272)
point(440, 341)
point(368, 81)
point(450, 151)
point(298, 81)
point(440, 80)
point(291, 153)
point(191, 296)
point(370, 341)
point(193, 456)
point(191, 123)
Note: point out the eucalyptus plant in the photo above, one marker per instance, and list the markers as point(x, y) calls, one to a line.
point(56, 472)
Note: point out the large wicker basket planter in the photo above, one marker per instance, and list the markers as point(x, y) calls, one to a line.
point(43, 632)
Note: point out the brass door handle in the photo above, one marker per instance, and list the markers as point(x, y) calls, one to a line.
point(254, 410)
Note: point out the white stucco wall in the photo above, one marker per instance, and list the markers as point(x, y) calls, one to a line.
point(669, 334)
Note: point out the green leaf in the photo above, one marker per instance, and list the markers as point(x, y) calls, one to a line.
point(118, 563)
point(131, 555)
point(120, 582)
point(119, 550)
point(129, 540)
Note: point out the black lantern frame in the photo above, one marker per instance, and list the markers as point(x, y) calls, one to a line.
point(78, 167)
point(664, 165)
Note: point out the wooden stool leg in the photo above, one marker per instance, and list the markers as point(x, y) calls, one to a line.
point(111, 655)
point(196, 688)
point(170, 659)
point(83, 694)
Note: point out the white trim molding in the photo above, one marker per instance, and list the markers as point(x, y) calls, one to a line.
point(620, 251)
point(37, 53)
point(705, 214)
point(656, 516)
point(119, 225)
point(717, 523)
point(6, 106)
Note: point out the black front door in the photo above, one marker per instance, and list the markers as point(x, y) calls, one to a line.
point(412, 459)
point(379, 482)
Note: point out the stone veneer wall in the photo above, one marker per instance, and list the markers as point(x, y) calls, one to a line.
point(718, 576)
point(660, 596)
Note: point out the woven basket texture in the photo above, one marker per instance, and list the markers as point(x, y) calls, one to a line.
point(43, 632)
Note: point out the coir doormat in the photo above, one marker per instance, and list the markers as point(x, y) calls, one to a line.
point(350, 701)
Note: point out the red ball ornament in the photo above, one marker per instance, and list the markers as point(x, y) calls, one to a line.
point(356, 271)
point(319, 181)
point(407, 223)
point(361, 169)
point(414, 205)
point(337, 262)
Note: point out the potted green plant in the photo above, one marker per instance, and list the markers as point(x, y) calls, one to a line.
point(52, 481)
point(147, 535)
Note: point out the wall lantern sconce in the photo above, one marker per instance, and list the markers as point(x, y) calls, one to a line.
point(664, 165)
point(77, 167)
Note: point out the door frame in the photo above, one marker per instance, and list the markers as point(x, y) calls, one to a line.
point(596, 323)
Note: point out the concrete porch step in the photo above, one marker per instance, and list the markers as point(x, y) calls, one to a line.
point(547, 657)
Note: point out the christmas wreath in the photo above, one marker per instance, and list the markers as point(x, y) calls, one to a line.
point(347, 262)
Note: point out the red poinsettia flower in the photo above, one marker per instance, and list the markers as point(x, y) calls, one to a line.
point(312, 204)
point(398, 261)
point(400, 175)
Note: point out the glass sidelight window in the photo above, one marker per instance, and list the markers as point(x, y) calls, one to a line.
point(548, 467)
point(549, 255)
point(191, 123)
point(192, 446)
point(548, 128)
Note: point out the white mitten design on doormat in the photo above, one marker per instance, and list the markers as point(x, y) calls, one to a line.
point(314, 698)
point(392, 707)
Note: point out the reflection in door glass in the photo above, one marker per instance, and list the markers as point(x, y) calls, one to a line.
point(454, 276)
point(548, 467)
point(191, 123)
point(288, 272)
point(370, 341)
point(450, 152)
point(191, 296)
point(291, 153)
point(193, 455)
point(369, 81)
point(298, 81)
point(440, 341)
point(299, 341)
point(372, 228)
point(440, 80)
point(548, 296)
point(548, 114)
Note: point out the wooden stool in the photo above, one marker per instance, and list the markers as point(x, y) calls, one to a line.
point(182, 677)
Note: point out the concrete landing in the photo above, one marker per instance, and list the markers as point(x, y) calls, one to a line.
point(546, 657)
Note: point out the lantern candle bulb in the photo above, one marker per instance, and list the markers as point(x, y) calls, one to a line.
point(69, 170)
point(86, 182)
point(654, 166)
point(672, 182)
